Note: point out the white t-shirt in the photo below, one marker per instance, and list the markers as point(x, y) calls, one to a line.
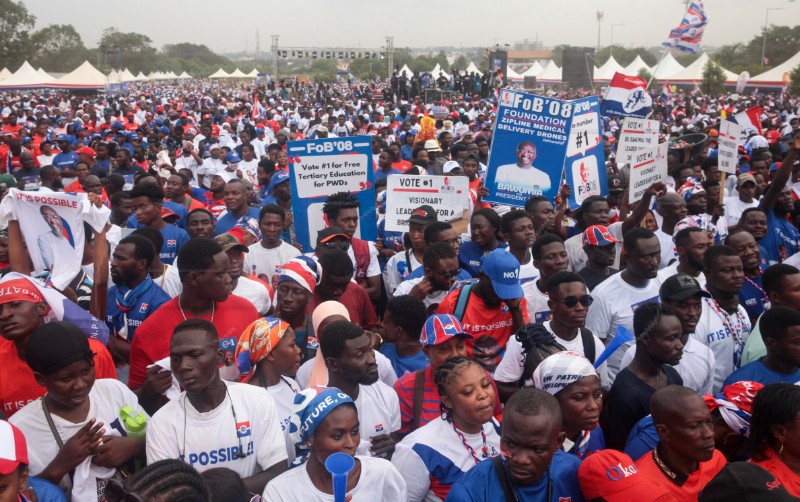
point(714, 330)
point(668, 251)
point(378, 410)
point(212, 439)
point(615, 301)
point(106, 399)
point(436, 448)
point(527, 272)
point(696, 367)
point(577, 256)
point(385, 371)
point(268, 262)
point(518, 177)
point(379, 480)
point(511, 366)
point(432, 299)
point(734, 209)
point(170, 280)
point(283, 394)
point(536, 301)
point(670, 270)
point(249, 170)
point(397, 269)
point(255, 292)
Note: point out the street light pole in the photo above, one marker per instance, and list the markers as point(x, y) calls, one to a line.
point(599, 26)
point(611, 47)
point(764, 42)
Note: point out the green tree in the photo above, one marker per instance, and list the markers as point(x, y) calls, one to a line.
point(648, 77)
point(135, 51)
point(460, 64)
point(713, 78)
point(58, 48)
point(782, 44)
point(15, 25)
point(441, 59)
point(794, 85)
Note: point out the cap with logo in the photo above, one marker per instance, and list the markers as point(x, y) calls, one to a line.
point(747, 482)
point(423, 215)
point(597, 235)
point(330, 233)
point(681, 287)
point(13, 448)
point(439, 328)
point(611, 475)
point(502, 268)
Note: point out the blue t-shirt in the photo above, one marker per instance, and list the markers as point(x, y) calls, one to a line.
point(403, 364)
point(470, 257)
point(482, 484)
point(753, 298)
point(174, 239)
point(642, 439)
point(46, 491)
point(757, 371)
point(229, 220)
point(148, 302)
point(391, 240)
point(381, 174)
point(781, 239)
point(176, 208)
point(65, 160)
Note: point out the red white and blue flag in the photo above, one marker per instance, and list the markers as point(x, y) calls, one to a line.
point(626, 96)
point(750, 120)
point(666, 94)
point(688, 35)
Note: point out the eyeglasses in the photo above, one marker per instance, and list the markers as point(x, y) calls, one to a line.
point(344, 246)
point(115, 492)
point(572, 301)
point(449, 275)
point(453, 242)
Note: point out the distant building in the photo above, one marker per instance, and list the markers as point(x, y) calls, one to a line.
point(529, 57)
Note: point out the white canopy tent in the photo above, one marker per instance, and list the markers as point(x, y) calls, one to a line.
point(694, 72)
point(534, 70)
point(85, 76)
point(668, 67)
point(635, 66)
point(471, 68)
point(184, 76)
point(253, 74)
point(5, 73)
point(126, 76)
point(44, 74)
point(237, 73)
point(774, 77)
point(140, 77)
point(551, 74)
point(607, 70)
point(26, 77)
point(512, 75)
point(437, 70)
point(406, 69)
point(114, 77)
point(220, 74)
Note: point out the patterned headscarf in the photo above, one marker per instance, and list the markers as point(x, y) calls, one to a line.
point(250, 225)
point(690, 188)
point(696, 221)
point(303, 271)
point(310, 408)
point(257, 341)
point(560, 370)
point(427, 130)
point(735, 404)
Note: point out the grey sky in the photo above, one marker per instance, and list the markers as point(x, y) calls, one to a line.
point(231, 26)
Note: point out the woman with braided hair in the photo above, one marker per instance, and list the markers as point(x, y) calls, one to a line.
point(658, 348)
point(168, 479)
point(436, 455)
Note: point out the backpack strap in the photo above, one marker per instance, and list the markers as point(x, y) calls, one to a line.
point(462, 300)
point(419, 391)
point(361, 253)
point(588, 344)
point(508, 492)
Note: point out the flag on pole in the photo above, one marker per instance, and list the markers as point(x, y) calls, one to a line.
point(626, 96)
point(688, 35)
point(750, 120)
point(666, 94)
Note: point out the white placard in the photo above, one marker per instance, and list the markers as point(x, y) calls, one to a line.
point(728, 153)
point(448, 195)
point(636, 135)
point(647, 167)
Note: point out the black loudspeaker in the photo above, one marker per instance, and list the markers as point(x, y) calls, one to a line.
point(576, 73)
point(530, 83)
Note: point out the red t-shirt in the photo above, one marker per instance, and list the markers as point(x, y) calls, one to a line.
point(682, 489)
point(479, 320)
point(781, 471)
point(12, 129)
point(401, 165)
point(358, 305)
point(216, 207)
point(17, 385)
point(431, 410)
point(151, 342)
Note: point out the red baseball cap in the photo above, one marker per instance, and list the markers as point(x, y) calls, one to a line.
point(86, 150)
point(612, 476)
point(13, 448)
point(773, 136)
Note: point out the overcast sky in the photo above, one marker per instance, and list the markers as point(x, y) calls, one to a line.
point(231, 26)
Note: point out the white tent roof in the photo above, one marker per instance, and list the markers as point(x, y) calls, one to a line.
point(5, 73)
point(636, 65)
point(127, 76)
point(172, 75)
point(471, 68)
point(406, 69)
point(533, 71)
point(26, 77)
point(437, 70)
point(774, 77)
point(44, 74)
point(513, 75)
point(253, 74)
point(85, 76)
point(608, 69)
point(140, 77)
point(184, 76)
point(237, 73)
point(114, 77)
point(668, 67)
point(550, 74)
point(694, 72)
point(220, 74)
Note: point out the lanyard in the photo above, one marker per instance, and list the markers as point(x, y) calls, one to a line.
point(736, 332)
point(469, 448)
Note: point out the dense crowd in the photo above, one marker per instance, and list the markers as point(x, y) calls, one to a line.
point(613, 351)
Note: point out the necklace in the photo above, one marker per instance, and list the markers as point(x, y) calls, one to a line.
point(180, 307)
point(737, 331)
point(760, 290)
point(484, 449)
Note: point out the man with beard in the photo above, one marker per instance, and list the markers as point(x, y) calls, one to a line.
point(200, 223)
point(134, 296)
point(752, 296)
point(176, 188)
point(542, 214)
point(691, 244)
point(51, 180)
point(672, 208)
point(618, 297)
point(351, 365)
point(782, 239)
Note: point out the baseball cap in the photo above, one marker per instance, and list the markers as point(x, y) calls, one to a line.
point(233, 158)
point(277, 178)
point(439, 328)
point(681, 287)
point(612, 476)
point(616, 183)
point(8, 180)
point(13, 448)
point(744, 178)
point(450, 166)
point(228, 242)
point(329, 233)
point(423, 215)
point(86, 150)
point(63, 137)
point(746, 482)
point(773, 136)
point(56, 345)
point(597, 235)
point(322, 129)
point(502, 268)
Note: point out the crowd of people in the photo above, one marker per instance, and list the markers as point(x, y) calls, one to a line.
point(615, 351)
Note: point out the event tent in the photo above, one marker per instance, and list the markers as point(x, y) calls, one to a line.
point(437, 70)
point(220, 74)
point(5, 73)
point(471, 68)
point(26, 77)
point(237, 73)
point(406, 69)
point(126, 76)
point(512, 75)
point(607, 70)
point(140, 77)
point(44, 74)
point(551, 74)
point(774, 77)
point(694, 72)
point(253, 74)
point(184, 76)
point(534, 70)
point(666, 68)
point(635, 66)
point(85, 76)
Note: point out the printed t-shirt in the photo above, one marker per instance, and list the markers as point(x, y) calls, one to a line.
point(781, 239)
point(720, 331)
point(538, 310)
point(682, 487)
point(125, 326)
point(174, 239)
point(781, 471)
point(268, 262)
point(228, 220)
point(470, 257)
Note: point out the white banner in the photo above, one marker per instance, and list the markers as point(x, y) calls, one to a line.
point(448, 195)
point(647, 167)
point(636, 135)
point(728, 153)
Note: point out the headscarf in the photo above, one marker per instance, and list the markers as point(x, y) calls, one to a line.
point(427, 130)
point(690, 188)
point(257, 341)
point(735, 404)
point(319, 372)
point(248, 224)
point(558, 371)
point(19, 290)
point(310, 408)
point(695, 221)
point(303, 271)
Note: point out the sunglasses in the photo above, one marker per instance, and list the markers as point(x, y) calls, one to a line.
point(572, 301)
point(115, 492)
point(343, 246)
point(448, 275)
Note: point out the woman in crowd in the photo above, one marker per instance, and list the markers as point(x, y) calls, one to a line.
point(731, 410)
point(170, 479)
point(775, 433)
point(434, 456)
point(485, 231)
point(574, 382)
point(326, 422)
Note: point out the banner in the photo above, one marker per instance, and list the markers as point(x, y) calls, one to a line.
point(448, 195)
point(730, 135)
point(636, 134)
point(538, 142)
point(626, 96)
point(52, 224)
point(647, 167)
point(322, 167)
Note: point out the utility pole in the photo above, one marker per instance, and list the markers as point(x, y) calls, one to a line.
point(258, 46)
point(599, 25)
point(390, 54)
point(274, 49)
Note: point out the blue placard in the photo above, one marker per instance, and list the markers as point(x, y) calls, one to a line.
point(321, 167)
point(536, 143)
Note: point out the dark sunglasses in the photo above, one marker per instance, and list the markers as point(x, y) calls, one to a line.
point(343, 246)
point(115, 492)
point(572, 301)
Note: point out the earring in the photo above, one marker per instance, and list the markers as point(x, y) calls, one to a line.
point(780, 450)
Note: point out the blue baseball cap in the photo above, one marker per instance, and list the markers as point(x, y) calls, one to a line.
point(439, 328)
point(64, 137)
point(277, 178)
point(597, 235)
point(502, 268)
point(233, 158)
point(163, 129)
